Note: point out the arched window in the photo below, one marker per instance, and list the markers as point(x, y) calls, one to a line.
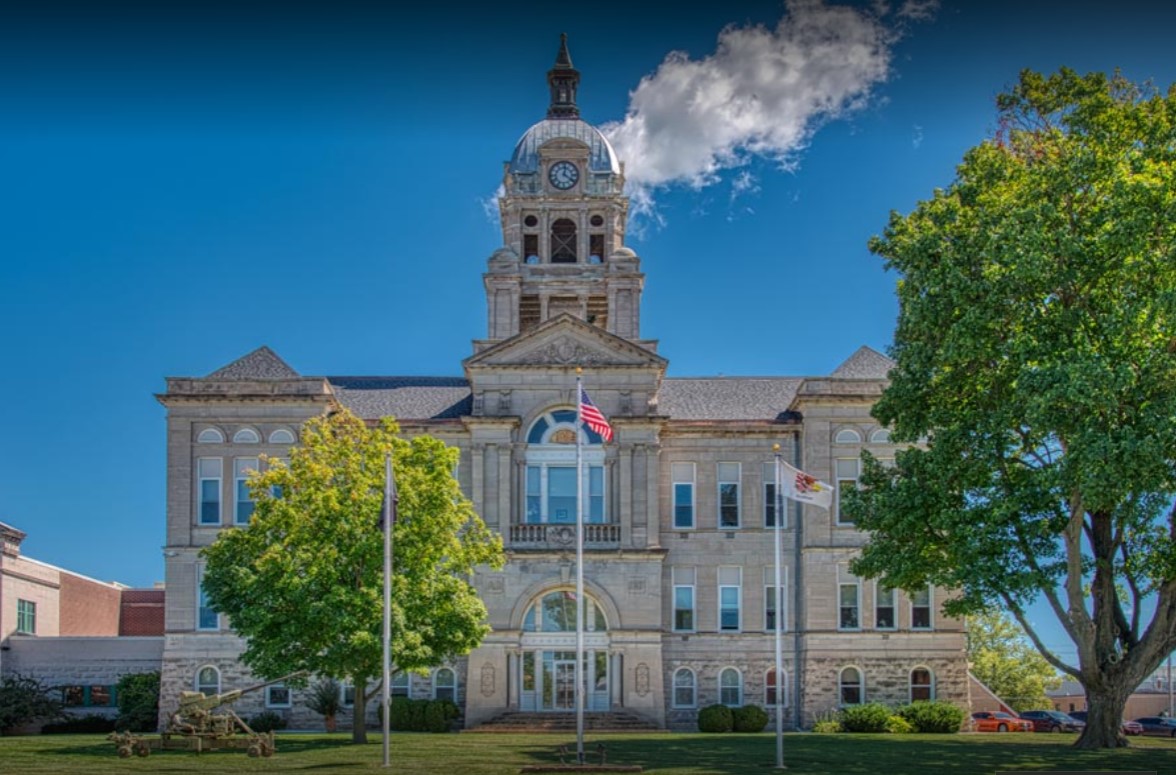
point(770, 688)
point(556, 612)
point(400, 684)
point(852, 686)
point(246, 436)
point(208, 680)
point(922, 684)
point(445, 685)
point(210, 436)
point(731, 687)
point(551, 470)
point(880, 436)
point(563, 242)
point(684, 688)
point(281, 436)
point(847, 436)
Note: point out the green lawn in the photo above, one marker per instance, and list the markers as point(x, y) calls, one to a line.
point(666, 754)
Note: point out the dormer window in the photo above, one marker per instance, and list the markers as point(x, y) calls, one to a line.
point(563, 242)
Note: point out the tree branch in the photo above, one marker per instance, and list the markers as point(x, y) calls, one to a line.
point(1028, 628)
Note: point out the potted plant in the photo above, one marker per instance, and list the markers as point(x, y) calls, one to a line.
point(324, 700)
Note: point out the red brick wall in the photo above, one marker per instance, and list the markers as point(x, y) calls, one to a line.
point(88, 607)
point(142, 612)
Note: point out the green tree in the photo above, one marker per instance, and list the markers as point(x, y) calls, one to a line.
point(1006, 662)
point(1036, 367)
point(24, 700)
point(303, 582)
point(138, 702)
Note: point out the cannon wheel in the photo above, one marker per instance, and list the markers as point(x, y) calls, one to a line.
point(124, 752)
point(254, 751)
point(142, 749)
point(267, 750)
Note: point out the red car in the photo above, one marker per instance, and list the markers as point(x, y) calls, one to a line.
point(1132, 728)
point(996, 721)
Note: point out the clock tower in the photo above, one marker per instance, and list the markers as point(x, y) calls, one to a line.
point(563, 215)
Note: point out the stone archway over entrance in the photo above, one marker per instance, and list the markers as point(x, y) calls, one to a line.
point(547, 658)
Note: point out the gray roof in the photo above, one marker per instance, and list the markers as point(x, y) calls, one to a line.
point(601, 156)
point(866, 363)
point(405, 398)
point(262, 363)
point(727, 398)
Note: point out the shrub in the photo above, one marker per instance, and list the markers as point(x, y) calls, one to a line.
point(451, 709)
point(933, 717)
point(138, 702)
point(715, 718)
point(25, 700)
point(871, 717)
point(435, 720)
point(401, 716)
point(899, 726)
point(92, 723)
point(267, 721)
point(827, 727)
point(749, 718)
point(324, 698)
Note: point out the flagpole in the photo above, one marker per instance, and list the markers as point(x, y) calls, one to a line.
point(779, 616)
point(579, 673)
point(385, 693)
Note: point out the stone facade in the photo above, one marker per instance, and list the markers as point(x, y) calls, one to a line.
point(679, 547)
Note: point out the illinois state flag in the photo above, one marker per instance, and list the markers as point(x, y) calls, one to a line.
point(799, 486)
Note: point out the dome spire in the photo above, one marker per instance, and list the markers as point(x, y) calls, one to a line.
point(563, 79)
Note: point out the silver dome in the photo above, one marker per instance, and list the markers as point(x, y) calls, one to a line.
point(601, 156)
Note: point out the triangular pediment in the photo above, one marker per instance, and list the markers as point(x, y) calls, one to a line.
point(566, 341)
point(262, 363)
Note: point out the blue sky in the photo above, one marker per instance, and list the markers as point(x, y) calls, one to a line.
point(181, 183)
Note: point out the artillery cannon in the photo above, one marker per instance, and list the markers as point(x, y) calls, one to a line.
point(199, 727)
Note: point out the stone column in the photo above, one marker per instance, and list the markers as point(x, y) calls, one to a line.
point(625, 456)
point(477, 477)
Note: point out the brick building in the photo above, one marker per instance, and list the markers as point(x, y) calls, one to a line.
point(678, 505)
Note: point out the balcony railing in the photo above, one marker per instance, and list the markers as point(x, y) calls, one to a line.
point(564, 536)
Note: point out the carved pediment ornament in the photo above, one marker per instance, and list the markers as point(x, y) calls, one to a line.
point(568, 351)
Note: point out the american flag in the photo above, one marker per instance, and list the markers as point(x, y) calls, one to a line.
point(592, 416)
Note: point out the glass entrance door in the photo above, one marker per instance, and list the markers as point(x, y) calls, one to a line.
point(565, 685)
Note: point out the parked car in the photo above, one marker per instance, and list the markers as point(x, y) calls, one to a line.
point(1132, 728)
point(996, 721)
point(1129, 727)
point(1158, 726)
point(1053, 721)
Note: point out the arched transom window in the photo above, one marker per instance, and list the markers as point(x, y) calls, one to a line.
point(556, 612)
point(208, 680)
point(551, 470)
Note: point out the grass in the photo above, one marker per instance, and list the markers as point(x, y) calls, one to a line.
point(665, 754)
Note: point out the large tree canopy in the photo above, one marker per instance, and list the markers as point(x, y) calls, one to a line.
point(1036, 352)
point(303, 582)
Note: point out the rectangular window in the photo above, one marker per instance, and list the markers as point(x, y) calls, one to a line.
point(209, 483)
point(728, 495)
point(534, 495)
point(921, 609)
point(243, 507)
point(847, 477)
point(596, 246)
point(730, 591)
point(770, 598)
point(531, 247)
point(347, 695)
point(277, 696)
point(683, 484)
point(73, 696)
point(26, 617)
point(101, 696)
point(400, 685)
point(849, 594)
point(884, 608)
point(594, 487)
point(770, 503)
point(683, 599)
point(206, 616)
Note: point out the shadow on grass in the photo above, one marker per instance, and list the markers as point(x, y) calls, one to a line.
point(861, 754)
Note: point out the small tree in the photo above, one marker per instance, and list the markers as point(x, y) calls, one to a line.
point(303, 582)
point(138, 702)
point(324, 700)
point(25, 700)
point(1006, 662)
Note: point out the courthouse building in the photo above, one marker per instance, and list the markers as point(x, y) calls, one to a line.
point(678, 505)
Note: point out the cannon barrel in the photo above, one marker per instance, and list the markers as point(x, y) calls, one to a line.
point(194, 700)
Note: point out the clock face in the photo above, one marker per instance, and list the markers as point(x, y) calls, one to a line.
point(563, 175)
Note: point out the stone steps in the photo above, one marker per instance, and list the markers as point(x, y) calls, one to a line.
point(612, 721)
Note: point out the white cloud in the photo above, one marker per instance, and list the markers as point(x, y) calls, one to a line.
point(917, 139)
point(762, 93)
point(919, 10)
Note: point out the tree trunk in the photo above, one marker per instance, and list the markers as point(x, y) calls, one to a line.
point(359, 712)
point(1104, 719)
